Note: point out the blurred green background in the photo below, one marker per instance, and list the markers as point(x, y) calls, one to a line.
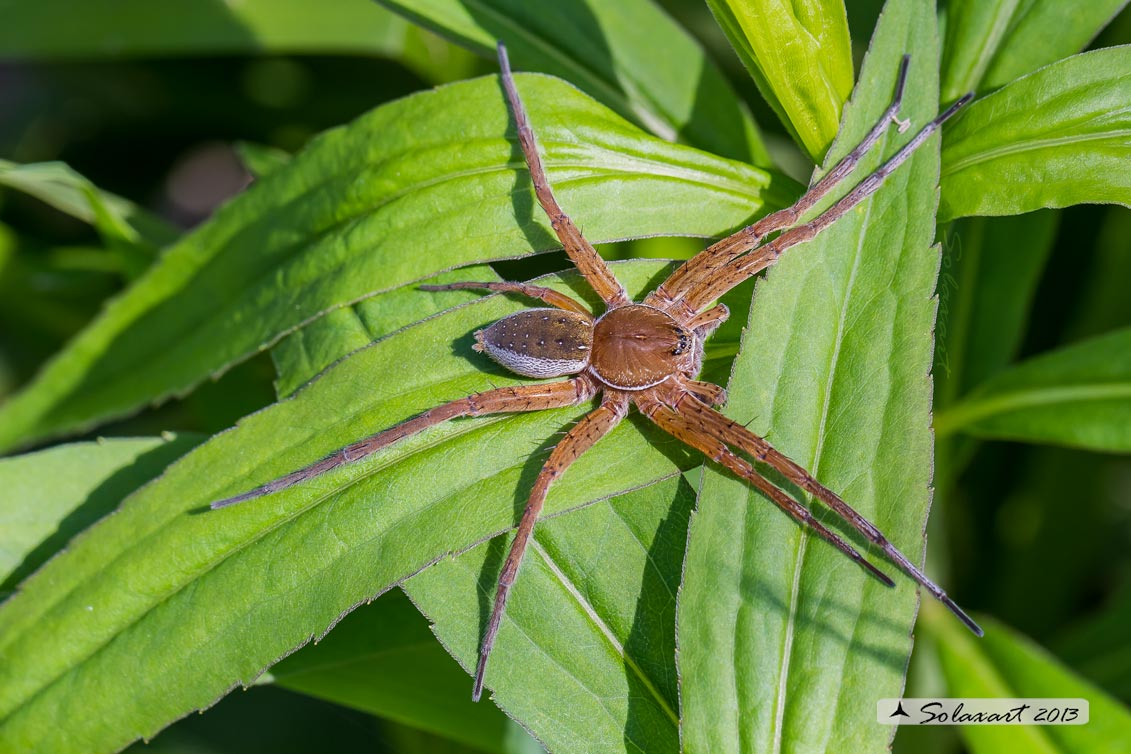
point(1038, 536)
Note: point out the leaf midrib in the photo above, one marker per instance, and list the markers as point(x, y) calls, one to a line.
point(604, 630)
point(1029, 145)
point(971, 411)
point(805, 534)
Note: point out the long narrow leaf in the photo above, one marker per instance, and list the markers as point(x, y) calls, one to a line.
point(69, 192)
point(629, 55)
point(166, 605)
point(1057, 137)
point(991, 268)
point(989, 278)
point(103, 29)
point(413, 188)
point(1006, 664)
point(50, 496)
point(1078, 396)
point(1043, 32)
point(586, 656)
point(992, 42)
point(782, 638)
point(300, 356)
point(800, 55)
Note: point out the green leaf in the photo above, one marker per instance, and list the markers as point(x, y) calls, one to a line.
point(1007, 664)
point(974, 32)
point(800, 56)
point(415, 187)
point(989, 278)
point(1043, 32)
point(382, 659)
point(304, 353)
point(1078, 396)
point(585, 656)
point(1057, 137)
point(131, 28)
point(120, 219)
point(992, 43)
point(52, 495)
point(164, 606)
point(629, 55)
point(782, 638)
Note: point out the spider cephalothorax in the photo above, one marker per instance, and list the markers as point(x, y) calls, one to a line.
point(645, 354)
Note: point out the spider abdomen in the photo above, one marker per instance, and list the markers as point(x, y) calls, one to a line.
point(637, 346)
point(539, 342)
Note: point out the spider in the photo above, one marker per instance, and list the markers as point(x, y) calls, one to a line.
point(648, 354)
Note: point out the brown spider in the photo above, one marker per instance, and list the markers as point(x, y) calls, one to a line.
point(647, 354)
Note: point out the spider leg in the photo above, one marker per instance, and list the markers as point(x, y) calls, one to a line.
point(500, 400)
point(707, 322)
point(715, 256)
point(551, 297)
point(703, 292)
point(690, 432)
point(708, 392)
point(580, 251)
point(735, 434)
point(579, 439)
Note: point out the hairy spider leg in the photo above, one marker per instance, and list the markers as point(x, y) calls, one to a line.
point(705, 323)
point(734, 434)
point(687, 431)
point(708, 392)
point(580, 438)
point(718, 254)
point(580, 251)
point(550, 296)
point(500, 400)
point(739, 269)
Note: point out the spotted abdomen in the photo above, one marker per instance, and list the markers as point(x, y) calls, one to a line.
point(539, 342)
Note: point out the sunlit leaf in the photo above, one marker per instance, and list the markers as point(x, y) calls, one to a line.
point(800, 55)
point(303, 354)
point(415, 187)
point(1057, 137)
point(782, 638)
point(586, 655)
point(50, 496)
point(164, 606)
point(974, 31)
point(1043, 32)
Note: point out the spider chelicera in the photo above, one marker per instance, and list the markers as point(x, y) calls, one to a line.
point(648, 354)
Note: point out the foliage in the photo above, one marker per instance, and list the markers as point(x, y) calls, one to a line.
point(672, 609)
